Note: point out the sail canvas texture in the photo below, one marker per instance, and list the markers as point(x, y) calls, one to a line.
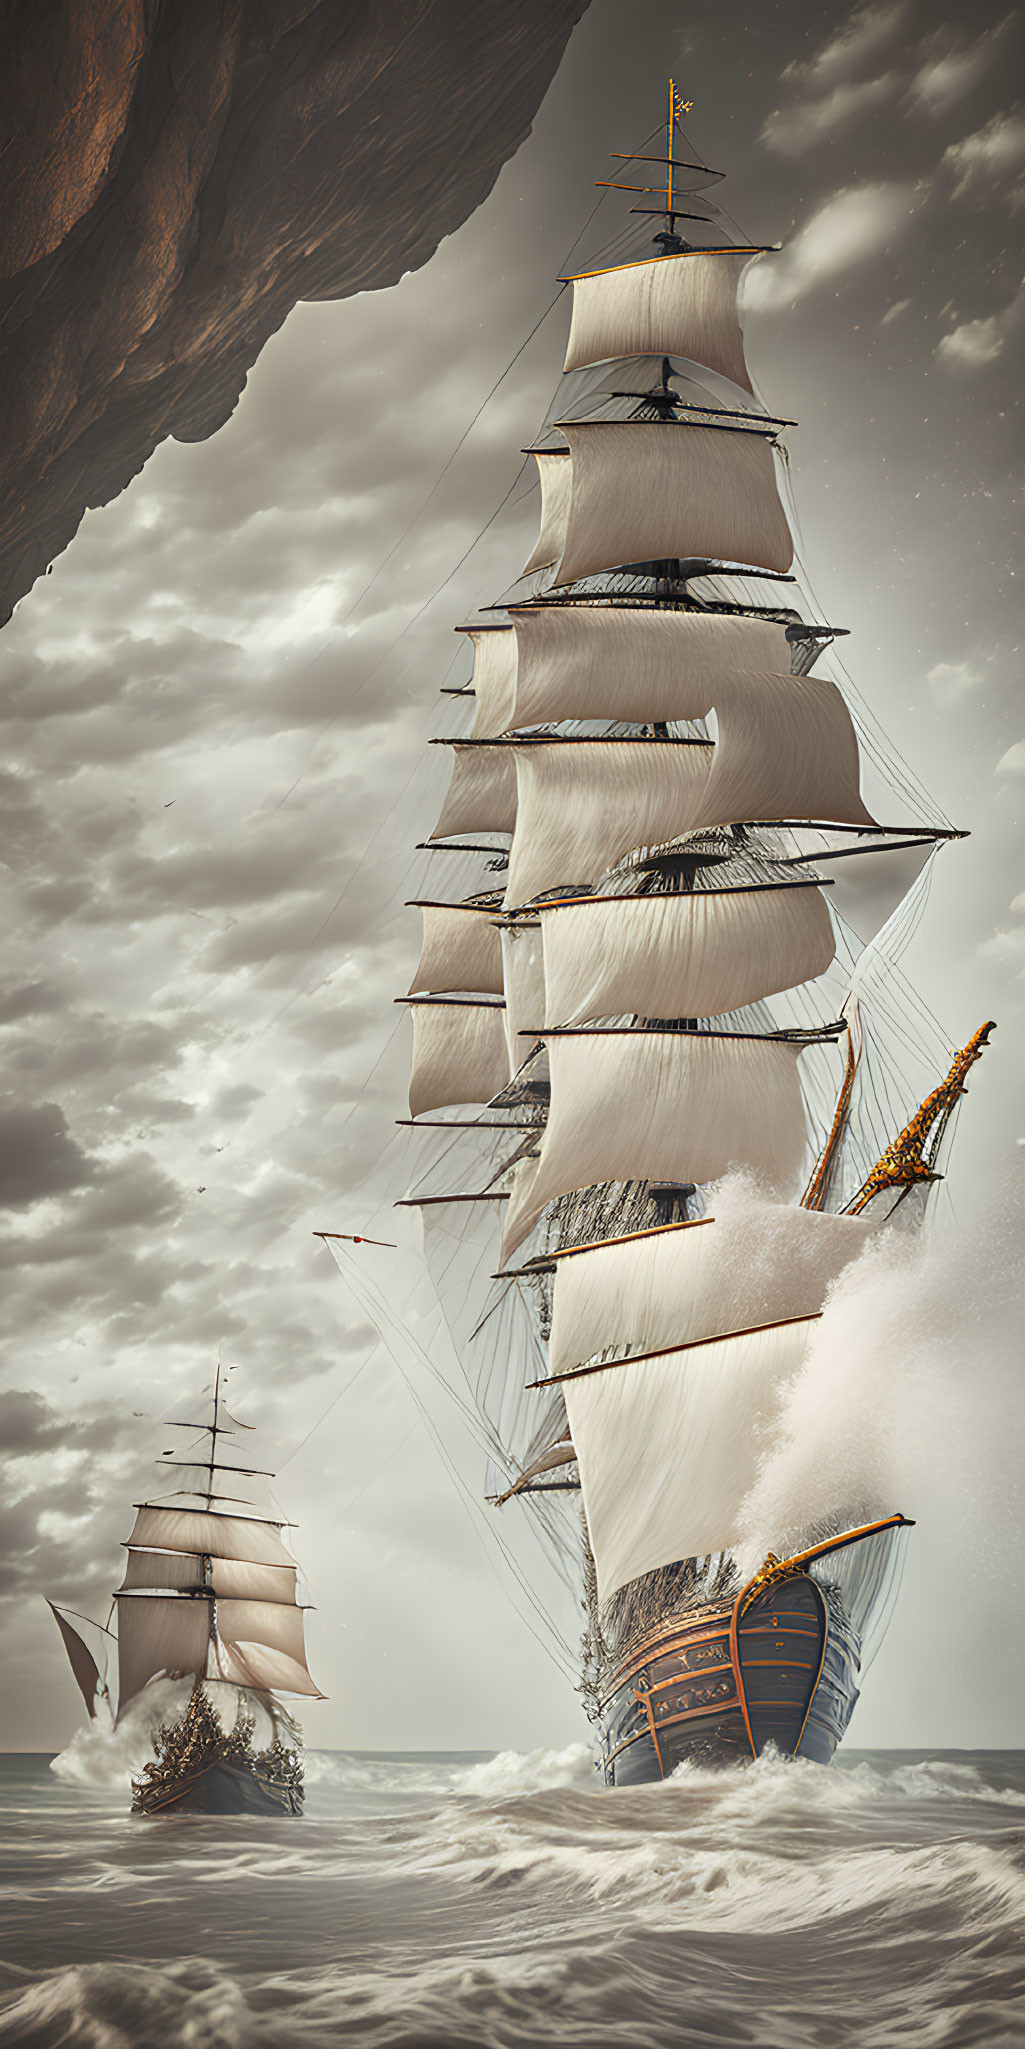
point(682, 305)
point(668, 1447)
point(663, 1099)
point(604, 663)
point(460, 1053)
point(696, 955)
point(758, 1263)
point(635, 491)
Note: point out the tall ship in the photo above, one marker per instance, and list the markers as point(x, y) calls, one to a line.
point(667, 1079)
point(208, 1596)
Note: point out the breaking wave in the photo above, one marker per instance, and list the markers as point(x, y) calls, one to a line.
point(105, 1755)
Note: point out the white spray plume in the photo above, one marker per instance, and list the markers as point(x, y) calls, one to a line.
point(103, 1754)
point(911, 1394)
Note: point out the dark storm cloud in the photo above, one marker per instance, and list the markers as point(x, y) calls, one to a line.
point(38, 1156)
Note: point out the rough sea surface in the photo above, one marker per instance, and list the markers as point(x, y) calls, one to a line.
point(449, 1900)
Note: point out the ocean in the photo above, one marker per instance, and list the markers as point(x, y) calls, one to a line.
point(507, 1901)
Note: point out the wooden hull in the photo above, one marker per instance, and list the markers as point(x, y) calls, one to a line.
point(716, 1686)
point(225, 1787)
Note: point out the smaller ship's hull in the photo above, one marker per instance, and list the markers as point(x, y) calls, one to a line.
point(222, 1788)
point(717, 1685)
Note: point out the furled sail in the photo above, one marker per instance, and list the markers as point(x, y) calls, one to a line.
point(605, 662)
point(460, 1053)
point(462, 949)
point(651, 1105)
point(681, 305)
point(482, 793)
point(695, 955)
point(756, 1263)
point(668, 1446)
point(637, 491)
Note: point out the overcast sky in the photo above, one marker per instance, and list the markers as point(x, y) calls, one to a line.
point(215, 768)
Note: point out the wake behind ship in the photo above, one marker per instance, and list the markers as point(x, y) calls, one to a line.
point(659, 1010)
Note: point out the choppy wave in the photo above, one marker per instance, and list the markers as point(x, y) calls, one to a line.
point(510, 1903)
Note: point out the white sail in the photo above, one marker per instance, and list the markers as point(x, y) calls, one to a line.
point(668, 1447)
point(210, 1533)
point(641, 491)
point(694, 955)
point(159, 1634)
point(663, 1105)
point(624, 662)
point(524, 975)
point(462, 949)
point(583, 804)
point(459, 1054)
point(233, 1577)
point(668, 306)
point(555, 476)
point(752, 1263)
point(260, 1643)
point(786, 748)
point(482, 793)
point(493, 679)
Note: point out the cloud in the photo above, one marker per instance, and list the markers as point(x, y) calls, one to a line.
point(948, 71)
point(868, 30)
point(982, 159)
point(38, 1156)
point(978, 342)
point(952, 681)
point(792, 130)
point(849, 227)
point(893, 312)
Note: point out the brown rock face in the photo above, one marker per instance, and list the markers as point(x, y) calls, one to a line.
point(178, 173)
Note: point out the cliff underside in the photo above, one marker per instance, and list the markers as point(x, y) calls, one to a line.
point(179, 173)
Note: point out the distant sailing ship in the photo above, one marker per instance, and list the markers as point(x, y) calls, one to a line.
point(662, 990)
point(209, 1593)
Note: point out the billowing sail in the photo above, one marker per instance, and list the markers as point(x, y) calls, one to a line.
point(606, 662)
point(493, 679)
point(234, 1577)
point(668, 1446)
point(756, 1263)
point(636, 491)
point(80, 1658)
point(786, 749)
point(462, 949)
point(482, 793)
point(210, 1533)
point(583, 804)
point(159, 1634)
point(697, 955)
point(653, 1105)
point(260, 1643)
point(460, 1054)
point(683, 305)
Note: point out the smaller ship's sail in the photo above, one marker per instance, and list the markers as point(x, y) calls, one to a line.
point(209, 1594)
